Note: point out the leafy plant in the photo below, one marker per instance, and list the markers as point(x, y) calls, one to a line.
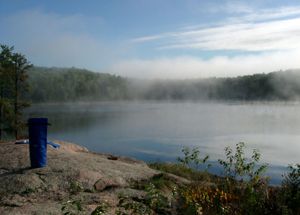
point(192, 158)
point(127, 206)
point(243, 178)
point(242, 190)
point(237, 166)
point(208, 200)
point(71, 207)
point(155, 199)
point(291, 190)
point(101, 209)
point(154, 202)
point(75, 187)
point(28, 191)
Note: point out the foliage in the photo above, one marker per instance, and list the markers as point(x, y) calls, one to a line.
point(75, 187)
point(155, 199)
point(71, 207)
point(192, 158)
point(200, 199)
point(128, 206)
point(257, 87)
point(243, 178)
point(28, 191)
point(101, 209)
point(154, 202)
point(237, 166)
point(290, 192)
point(243, 190)
point(13, 85)
point(181, 170)
point(160, 182)
point(71, 84)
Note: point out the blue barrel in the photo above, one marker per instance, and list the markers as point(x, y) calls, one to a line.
point(38, 141)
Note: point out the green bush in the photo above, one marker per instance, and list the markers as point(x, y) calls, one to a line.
point(238, 167)
point(242, 190)
point(290, 190)
point(101, 209)
point(75, 187)
point(243, 179)
point(192, 158)
point(71, 207)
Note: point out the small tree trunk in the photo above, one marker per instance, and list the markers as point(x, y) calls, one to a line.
point(16, 104)
point(1, 122)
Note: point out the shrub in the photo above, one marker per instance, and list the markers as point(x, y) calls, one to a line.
point(198, 199)
point(243, 179)
point(128, 206)
point(192, 158)
point(101, 209)
point(71, 207)
point(291, 190)
point(155, 199)
point(242, 190)
point(237, 166)
point(75, 187)
point(153, 203)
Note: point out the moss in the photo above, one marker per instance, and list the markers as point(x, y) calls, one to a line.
point(75, 187)
point(28, 191)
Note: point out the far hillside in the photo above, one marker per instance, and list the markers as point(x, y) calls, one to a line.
point(258, 87)
point(72, 84)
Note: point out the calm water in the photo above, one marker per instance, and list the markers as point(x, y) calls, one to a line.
point(157, 131)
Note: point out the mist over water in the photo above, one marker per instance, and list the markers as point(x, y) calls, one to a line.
point(156, 131)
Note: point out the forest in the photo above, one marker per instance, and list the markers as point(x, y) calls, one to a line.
point(72, 84)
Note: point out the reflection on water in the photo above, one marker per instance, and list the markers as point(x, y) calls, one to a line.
point(157, 131)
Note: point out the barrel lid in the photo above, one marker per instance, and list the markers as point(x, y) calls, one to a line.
point(38, 121)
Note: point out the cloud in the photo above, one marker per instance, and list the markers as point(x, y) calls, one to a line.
point(51, 39)
point(276, 35)
point(191, 67)
point(265, 30)
point(230, 7)
point(269, 40)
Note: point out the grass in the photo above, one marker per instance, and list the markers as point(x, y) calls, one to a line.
point(182, 171)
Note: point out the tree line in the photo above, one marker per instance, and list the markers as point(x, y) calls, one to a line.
point(258, 87)
point(72, 84)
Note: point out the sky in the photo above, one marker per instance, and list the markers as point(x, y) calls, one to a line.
point(156, 39)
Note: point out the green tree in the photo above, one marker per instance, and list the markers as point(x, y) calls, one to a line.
point(13, 85)
point(20, 67)
point(5, 88)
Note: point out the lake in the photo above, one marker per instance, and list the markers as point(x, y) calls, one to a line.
point(157, 131)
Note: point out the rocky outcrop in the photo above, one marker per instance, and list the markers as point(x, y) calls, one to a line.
point(73, 173)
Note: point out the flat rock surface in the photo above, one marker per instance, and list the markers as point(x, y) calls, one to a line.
point(72, 174)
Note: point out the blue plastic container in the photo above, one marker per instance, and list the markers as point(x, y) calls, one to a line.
point(38, 141)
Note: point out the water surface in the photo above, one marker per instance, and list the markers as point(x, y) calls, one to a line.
point(154, 131)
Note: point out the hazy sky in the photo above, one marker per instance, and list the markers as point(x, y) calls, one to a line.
point(156, 38)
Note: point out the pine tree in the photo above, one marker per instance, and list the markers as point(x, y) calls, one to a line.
point(19, 76)
point(13, 85)
point(5, 88)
